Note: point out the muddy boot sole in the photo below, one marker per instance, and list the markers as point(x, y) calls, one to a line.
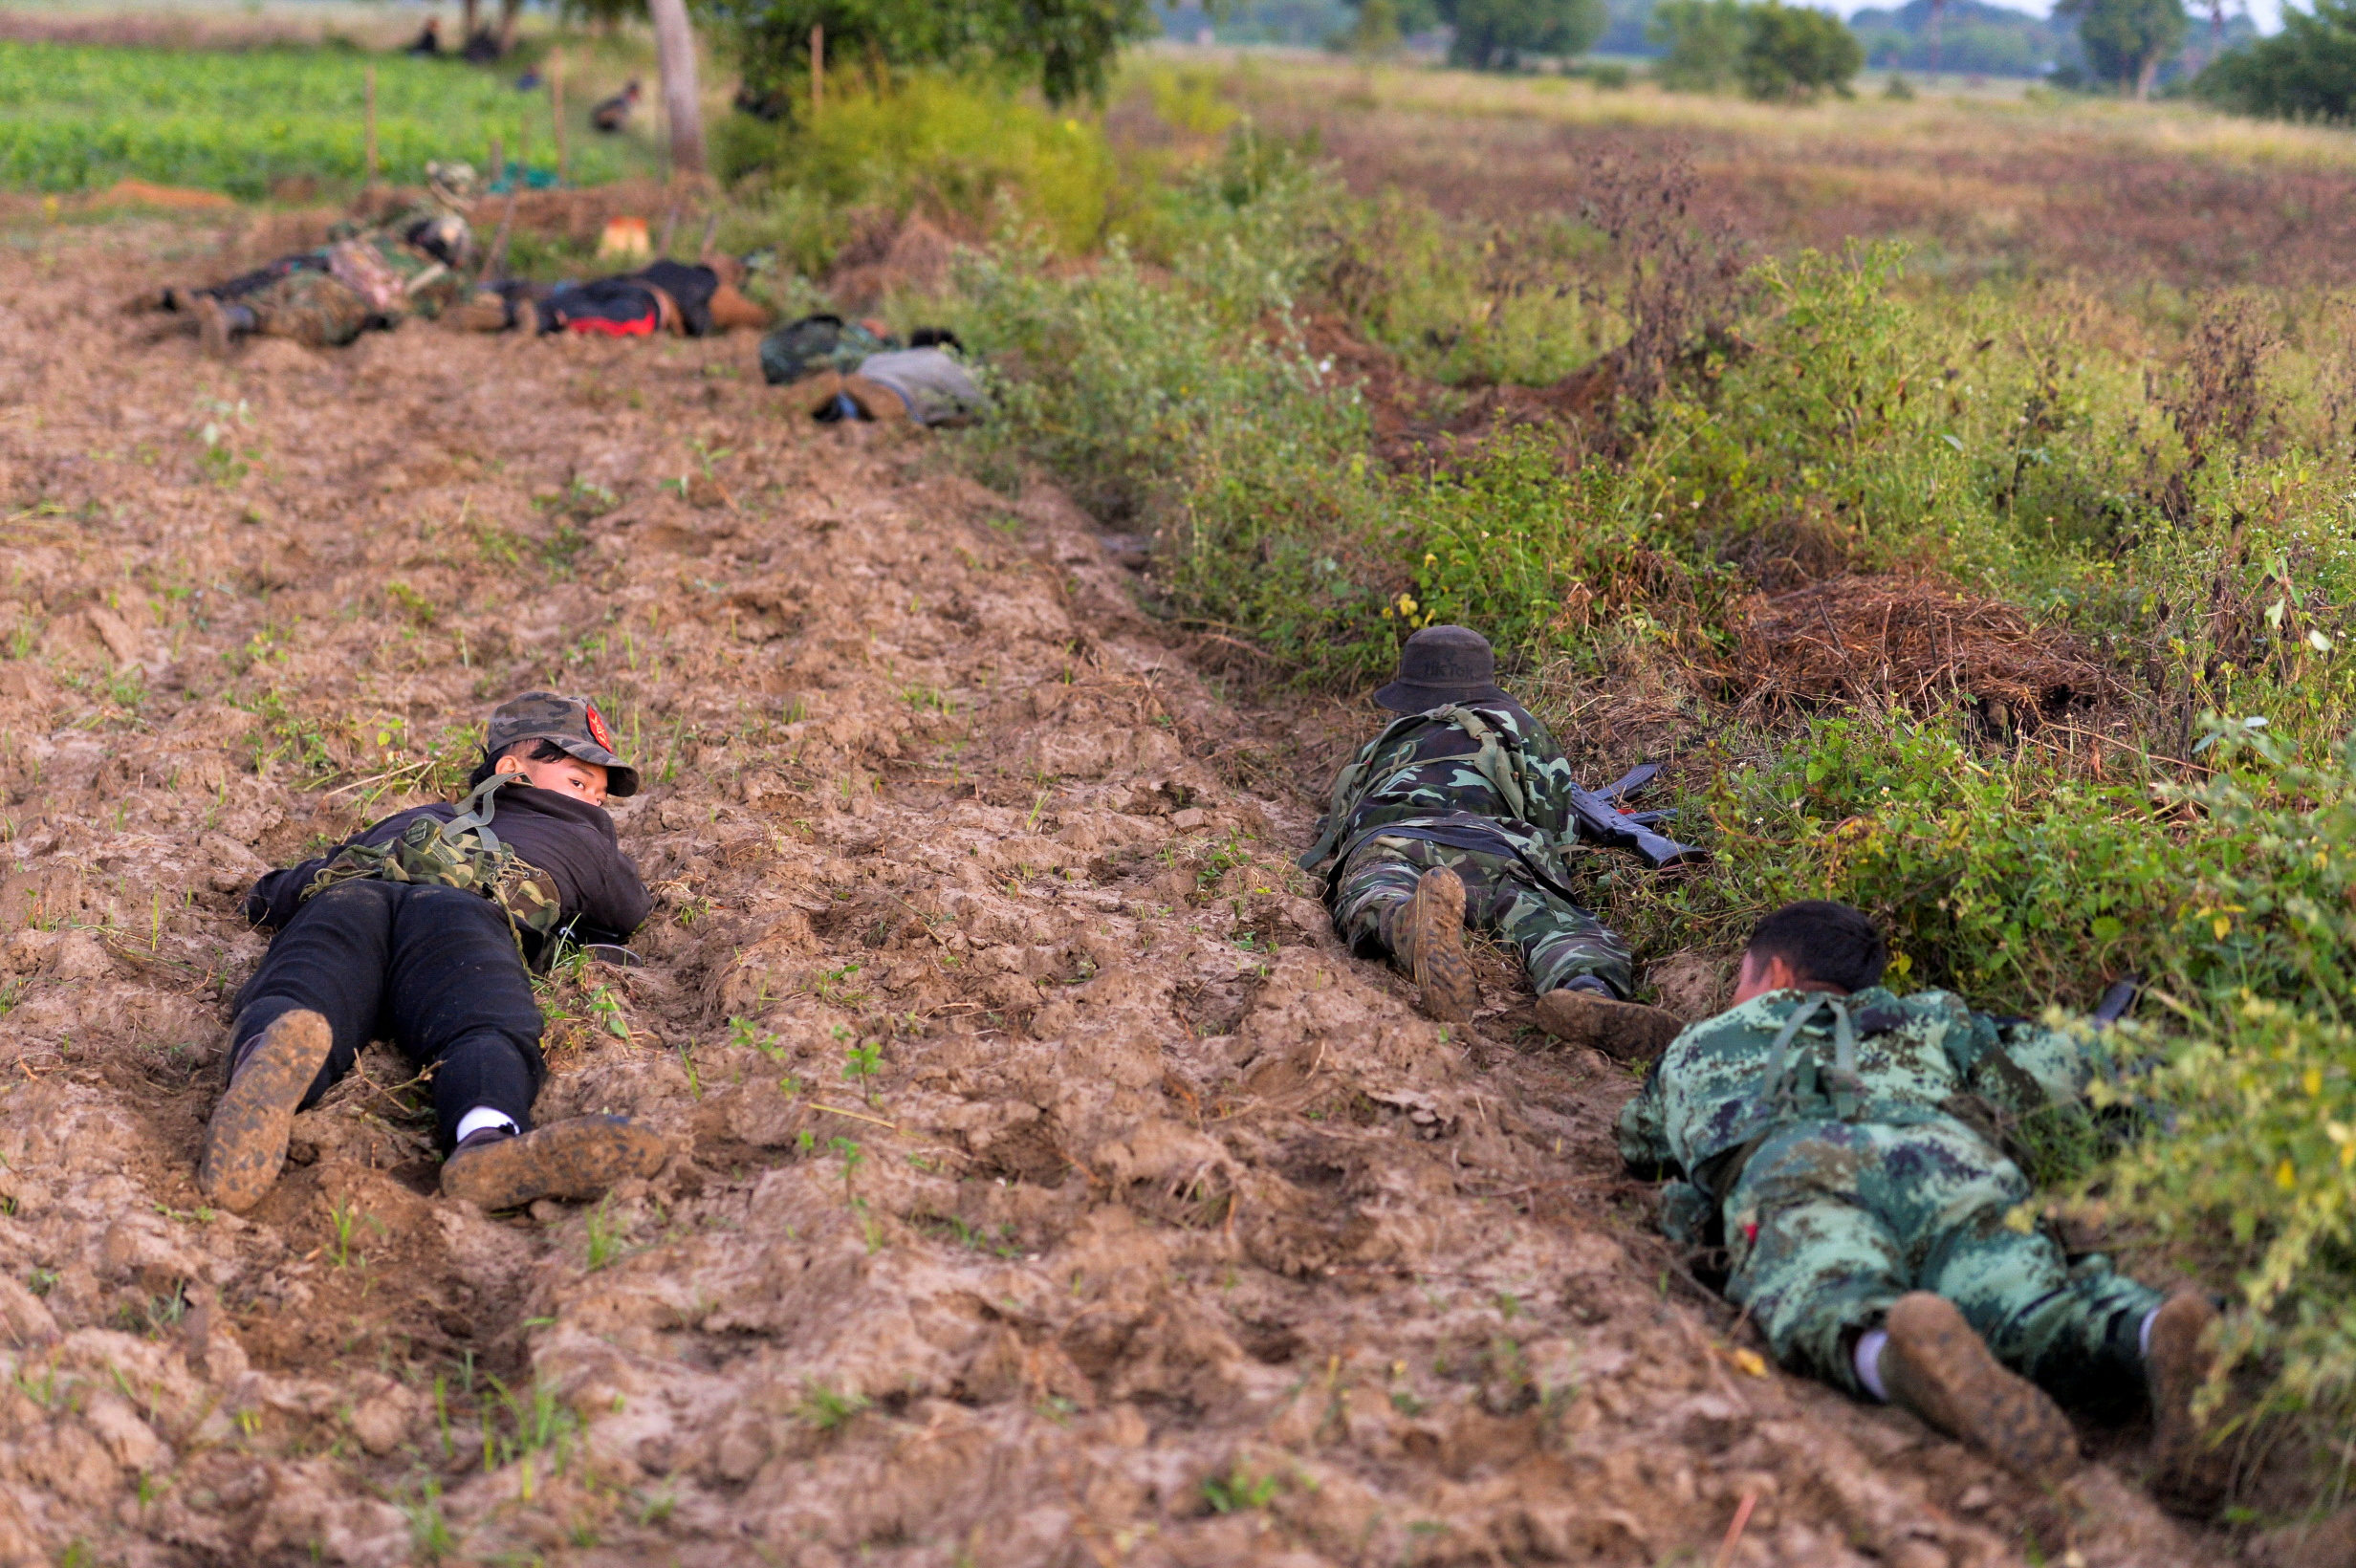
point(874, 400)
point(577, 1159)
point(1433, 931)
point(245, 1144)
point(213, 328)
point(1938, 1369)
point(2191, 1475)
point(1622, 1030)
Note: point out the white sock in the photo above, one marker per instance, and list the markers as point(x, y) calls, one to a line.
point(2143, 1332)
point(481, 1117)
point(1868, 1359)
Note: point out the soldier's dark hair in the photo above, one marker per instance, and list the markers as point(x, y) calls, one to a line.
point(542, 750)
point(1831, 943)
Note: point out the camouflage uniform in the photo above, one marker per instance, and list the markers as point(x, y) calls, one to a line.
point(372, 281)
point(1851, 1147)
point(1422, 798)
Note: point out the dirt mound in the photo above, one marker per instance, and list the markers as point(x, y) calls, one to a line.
point(1911, 641)
point(1049, 1187)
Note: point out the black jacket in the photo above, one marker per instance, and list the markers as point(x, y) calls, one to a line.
point(570, 840)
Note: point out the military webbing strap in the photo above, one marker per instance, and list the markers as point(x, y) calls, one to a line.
point(1787, 1083)
point(475, 812)
point(1489, 760)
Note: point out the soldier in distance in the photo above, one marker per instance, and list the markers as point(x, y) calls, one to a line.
point(1845, 1146)
point(1424, 835)
point(420, 929)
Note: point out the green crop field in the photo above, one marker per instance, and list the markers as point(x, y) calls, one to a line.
point(76, 117)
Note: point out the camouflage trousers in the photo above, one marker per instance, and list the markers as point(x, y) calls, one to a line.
point(1830, 1221)
point(1558, 940)
point(312, 307)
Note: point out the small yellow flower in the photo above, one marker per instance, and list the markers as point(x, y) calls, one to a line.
point(2286, 1176)
point(1751, 1362)
point(2221, 925)
point(2313, 1079)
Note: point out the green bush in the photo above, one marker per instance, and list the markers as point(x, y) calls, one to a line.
point(1794, 52)
point(2305, 72)
point(1703, 40)
point(955, 147)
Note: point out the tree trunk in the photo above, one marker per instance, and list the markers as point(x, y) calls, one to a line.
point(470, 15)
point(674, 47)
point(508, 11)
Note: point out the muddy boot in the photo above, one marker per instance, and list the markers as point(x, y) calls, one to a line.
point(219, 326)
point(2191, 1475)
point(577, 1159)
point(246, 1145)
point(874, 400)
point(1622, 1030)
point(1938, 1369)
point(1426, 935)
point(487, 313)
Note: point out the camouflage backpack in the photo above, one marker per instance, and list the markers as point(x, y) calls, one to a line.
point(462, 852)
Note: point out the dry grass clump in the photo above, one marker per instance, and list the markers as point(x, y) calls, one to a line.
point(1910, 642)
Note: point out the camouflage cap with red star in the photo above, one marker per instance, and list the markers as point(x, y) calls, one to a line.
point(572, 723)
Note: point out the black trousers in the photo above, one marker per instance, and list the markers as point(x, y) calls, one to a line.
point(434, 970)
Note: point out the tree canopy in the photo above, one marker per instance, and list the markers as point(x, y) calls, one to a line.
point(2126, 41)
point(2305, 72)
point(1499, 34)
point(1064, 47)
point(1775, 51)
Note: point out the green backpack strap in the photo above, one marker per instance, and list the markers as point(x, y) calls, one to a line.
point(1782, 1086)
point(476, 810)
point(1502, 766)
point(1337, 820)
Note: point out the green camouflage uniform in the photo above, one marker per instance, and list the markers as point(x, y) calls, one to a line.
point(1420, 800)
point(1851, 1147)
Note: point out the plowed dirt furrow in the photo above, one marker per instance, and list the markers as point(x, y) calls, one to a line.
point(1049, 1187)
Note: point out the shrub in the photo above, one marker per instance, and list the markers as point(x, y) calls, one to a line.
point(1703, 40)
point(956, 147)
point(2305, 72)
point(1499, 34)
point(1794, 52)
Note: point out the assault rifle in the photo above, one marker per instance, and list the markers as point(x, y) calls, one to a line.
point(1601, 817)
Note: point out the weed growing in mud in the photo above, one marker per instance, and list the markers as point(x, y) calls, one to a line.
point(1239, 1489)
point(429, 1528)
point(605, 1239)
point(827, 1409)
point(344, 1219)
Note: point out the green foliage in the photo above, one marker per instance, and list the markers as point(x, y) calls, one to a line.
point(1703, 40)
point(933, 141)
point(1794, 52)
point(1231, 446)
point(1501, 34)
point(75, 118)
point(2126, 41)
point(2305, 72)
point(1063, 47)
point(1461, 314)
point(2254, 1172)
point(1776, 51)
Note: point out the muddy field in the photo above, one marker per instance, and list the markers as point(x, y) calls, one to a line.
point(1049, 1187)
